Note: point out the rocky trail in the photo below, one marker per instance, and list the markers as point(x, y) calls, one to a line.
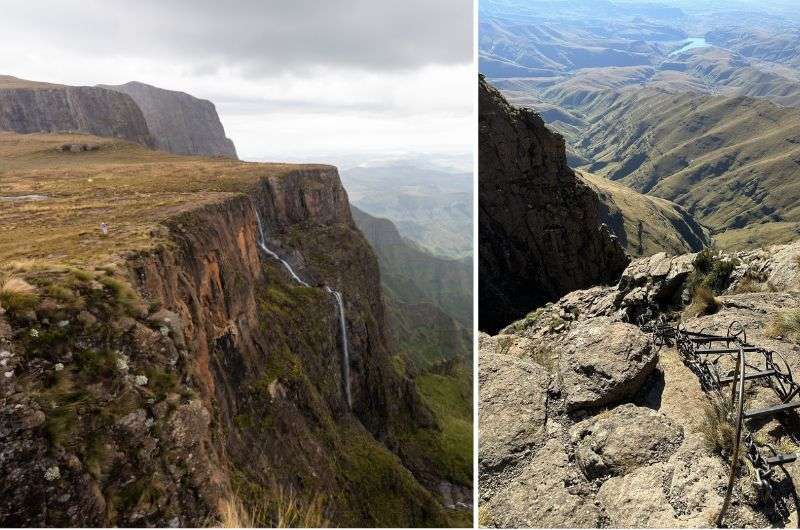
point(589, 420)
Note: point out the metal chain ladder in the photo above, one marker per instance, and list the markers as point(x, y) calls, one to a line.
point(702, 352)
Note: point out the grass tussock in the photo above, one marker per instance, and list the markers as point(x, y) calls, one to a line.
point(285, 509)
point(17, 295)
point(786, 324)
point(703, 303)
point(292, 513)
point(718, 427)
point(235, 515)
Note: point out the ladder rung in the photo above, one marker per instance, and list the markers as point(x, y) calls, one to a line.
point(713, 351)
point(711, 339)
point(755, 413)
point(779, 459)
point(747, 376)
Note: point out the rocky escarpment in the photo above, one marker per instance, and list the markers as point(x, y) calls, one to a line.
point(180, 123)
point(28, 107)
point(603, 428)
point(195, 379)
point(540, 232)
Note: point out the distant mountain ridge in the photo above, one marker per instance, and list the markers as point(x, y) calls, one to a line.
point(30, 107)
point(429, 206)
point(429, 297)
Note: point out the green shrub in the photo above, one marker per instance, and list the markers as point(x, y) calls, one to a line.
point(710, 271)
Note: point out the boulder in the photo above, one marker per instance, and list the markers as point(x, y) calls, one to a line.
point(513, 397)
point(623, 439)
point(547, 493)
point(603, 361)
point(685, 491)
point(652, 283)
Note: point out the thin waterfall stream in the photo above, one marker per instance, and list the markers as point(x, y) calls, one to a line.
point(262, 243)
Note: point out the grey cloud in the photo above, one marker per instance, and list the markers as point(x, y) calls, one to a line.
point(257, 38)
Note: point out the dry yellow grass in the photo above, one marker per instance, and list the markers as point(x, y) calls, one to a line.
point(786, 324)
point(127, 186)
point(285, 510)
point(16, 294)
point(703, 303)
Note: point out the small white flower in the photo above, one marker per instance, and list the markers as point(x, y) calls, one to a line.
point(52, 473)
point(9, 375)
point(4, 362)
point(5, 354)
point(59, 366)
point(63, 323)
point(140, 380)
point(122, 362)
point(149, 422)
point(164, 331)
point(34, 333)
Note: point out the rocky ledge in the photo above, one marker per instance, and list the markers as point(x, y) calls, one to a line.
point(586, 423)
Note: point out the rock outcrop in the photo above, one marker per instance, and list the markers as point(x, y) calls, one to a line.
point(649, 456)
point(30, 107)
point(540, 231)
point(180, 123)
point(603, 362)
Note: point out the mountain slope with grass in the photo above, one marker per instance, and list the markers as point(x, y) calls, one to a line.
point(646, 225)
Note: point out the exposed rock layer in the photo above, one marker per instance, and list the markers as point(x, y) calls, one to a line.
point(648, 457)
point(243, 392)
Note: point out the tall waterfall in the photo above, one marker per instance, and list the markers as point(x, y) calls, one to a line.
point(262, 243)
point(345, 348)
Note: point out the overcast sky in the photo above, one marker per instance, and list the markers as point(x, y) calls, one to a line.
point(314, 80)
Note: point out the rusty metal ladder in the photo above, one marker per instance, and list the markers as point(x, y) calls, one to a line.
point(702, 353)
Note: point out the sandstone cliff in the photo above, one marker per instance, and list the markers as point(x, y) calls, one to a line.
point(29, 107)
point(540, 232)
point(171, 372)
point(180, 123)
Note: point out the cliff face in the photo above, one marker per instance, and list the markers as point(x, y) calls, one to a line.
point(28, 107)
point(215, 379)
point(540, 232)
point(181, 124)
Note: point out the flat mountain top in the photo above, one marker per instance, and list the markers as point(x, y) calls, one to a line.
point(9, 81)
point(57, 189)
